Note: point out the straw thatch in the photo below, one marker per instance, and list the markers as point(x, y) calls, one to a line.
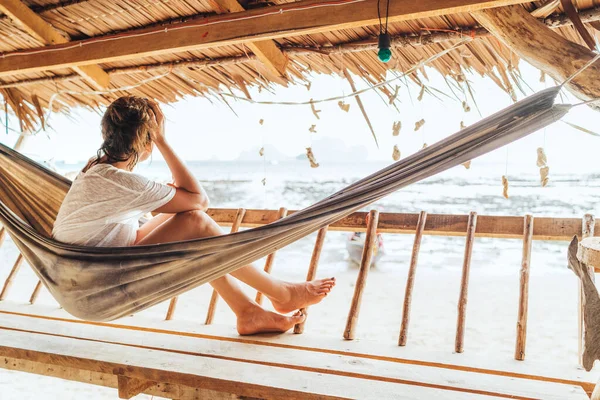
point(212, 70)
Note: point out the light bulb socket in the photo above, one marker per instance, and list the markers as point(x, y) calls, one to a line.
point(385, 41)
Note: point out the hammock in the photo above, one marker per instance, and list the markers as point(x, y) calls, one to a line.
point(102, 283)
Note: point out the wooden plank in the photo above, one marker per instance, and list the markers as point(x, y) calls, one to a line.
point(363, 273)
point(285, 20)
point(464, 284)
point(193, 369)
point(267, 51)
point(562, 371)
point(129, 387)
point(33, 24)
point(524, 289)
point(312, 272)
point(271, 257)
point(410, 280)
point(214, 298)
point(11, 276)
point(506, 227)
point(245, 357)
point(588, 225)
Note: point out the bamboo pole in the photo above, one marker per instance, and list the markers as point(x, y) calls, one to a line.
point(524, 288)
point(271, 257)
point(312, 271)
point(464, 284)
point(587, 230)
point(363, 273)
point(214, 298)
point(2, 236)
point(11, 277)
point(410, 281)
point(36, 292)
point(171, 310)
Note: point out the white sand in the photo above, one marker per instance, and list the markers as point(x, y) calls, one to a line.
point(491, 310)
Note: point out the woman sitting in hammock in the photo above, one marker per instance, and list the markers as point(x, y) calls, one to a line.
point(106, 199)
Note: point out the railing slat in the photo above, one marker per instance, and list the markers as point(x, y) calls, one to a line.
point(36, 292)
point(271, 257)
point(587, 230)
point(214, 298)
point(363, 273)
point(464, 284)
point(524, 289)
point(11, 277)
point(410, 281)
point(312, 271)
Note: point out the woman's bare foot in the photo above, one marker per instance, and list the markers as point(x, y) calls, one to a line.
point(303, 294)
point(257, 320)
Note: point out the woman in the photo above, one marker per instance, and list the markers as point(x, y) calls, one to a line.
point(106, 200)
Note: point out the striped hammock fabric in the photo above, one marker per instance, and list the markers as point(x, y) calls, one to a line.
point(102, 283)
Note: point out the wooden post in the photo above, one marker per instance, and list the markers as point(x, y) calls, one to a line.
point(271, 257)
point(312, 271)
point(524, 288)
point(587, 230)
point(2, 236)
point(11, 277)
point(214, 298)
point(410, 281)
point(464, 284)
point(361, 280)
point(171, 310)
point(130, 387)
point(36, 292)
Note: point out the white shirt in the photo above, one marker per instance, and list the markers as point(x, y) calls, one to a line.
point(104, 204)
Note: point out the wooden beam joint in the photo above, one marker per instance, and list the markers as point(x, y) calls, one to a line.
point(129, 387)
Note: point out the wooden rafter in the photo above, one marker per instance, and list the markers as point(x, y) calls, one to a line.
point(33, 24)
point(288, 20)
point(267, 51)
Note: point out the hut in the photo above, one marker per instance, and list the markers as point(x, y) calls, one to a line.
point(59, 54)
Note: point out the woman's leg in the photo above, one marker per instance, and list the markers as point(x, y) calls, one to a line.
point(251, 318)
point(286, 297)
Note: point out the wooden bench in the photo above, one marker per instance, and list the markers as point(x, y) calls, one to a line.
point(183, 363)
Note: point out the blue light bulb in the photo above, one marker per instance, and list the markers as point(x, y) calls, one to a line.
point(384, 55)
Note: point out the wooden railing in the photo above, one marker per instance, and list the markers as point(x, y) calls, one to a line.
point(526, 228)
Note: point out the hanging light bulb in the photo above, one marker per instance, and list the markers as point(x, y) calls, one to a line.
point(385, 42)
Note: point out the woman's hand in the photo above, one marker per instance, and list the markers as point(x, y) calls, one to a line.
point(157, 134)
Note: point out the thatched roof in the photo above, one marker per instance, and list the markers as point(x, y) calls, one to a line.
point(228, 62)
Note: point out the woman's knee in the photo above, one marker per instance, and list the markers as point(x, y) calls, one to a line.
point(200, 220)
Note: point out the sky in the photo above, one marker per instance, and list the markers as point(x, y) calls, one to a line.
point(203, 129)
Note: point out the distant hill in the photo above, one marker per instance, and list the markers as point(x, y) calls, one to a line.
point(335, 150)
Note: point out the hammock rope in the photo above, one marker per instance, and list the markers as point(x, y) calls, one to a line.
point(101, 283)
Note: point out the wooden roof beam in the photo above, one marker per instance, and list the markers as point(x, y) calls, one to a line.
point(287, 20)
point(267, 51)
point(47, 34)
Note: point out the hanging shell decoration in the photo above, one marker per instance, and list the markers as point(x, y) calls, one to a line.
point(462, 125)
point(308, 85)
point(396, 153)
point(424, 146)
point(311, 158)
point(261, 121)
point(261, 152)
point(314, 109)
point(312, 129)
point(421, 93)
point(542, 160)
point(396, 128)
point(544, 171)
point(467, 164)
point(542, 77)
point(344, 106)
point(466, 106)
point(395, 95)
point(264, 181)
point(419, 124)
point(505, 186)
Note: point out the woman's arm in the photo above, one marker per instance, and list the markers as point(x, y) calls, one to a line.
point(190, 195)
